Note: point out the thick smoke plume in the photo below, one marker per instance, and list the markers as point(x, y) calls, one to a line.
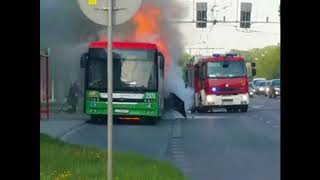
point(65, 30)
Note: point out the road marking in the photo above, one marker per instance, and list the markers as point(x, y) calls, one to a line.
point(276, 126)
point(256, 106)
point(178, 156)
point(177, 152)
point(268, 122)
point(175, 148)
point(209, 117)
point(73, 130)
point(261, 118)
point(177, 128)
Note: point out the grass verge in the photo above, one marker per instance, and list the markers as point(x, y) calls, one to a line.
point(59, 160)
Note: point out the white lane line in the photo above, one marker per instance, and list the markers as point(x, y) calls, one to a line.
point(268, 122)
point(73, 130)
point(261, 118)
point(256, 106)
point(177, 152)
point(178, 156)
point(176, 148)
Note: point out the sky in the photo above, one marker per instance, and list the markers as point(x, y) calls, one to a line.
point(227, 35)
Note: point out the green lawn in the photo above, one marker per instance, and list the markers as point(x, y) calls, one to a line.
point(59, 160)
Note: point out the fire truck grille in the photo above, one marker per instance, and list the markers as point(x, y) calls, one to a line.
point(229, 89)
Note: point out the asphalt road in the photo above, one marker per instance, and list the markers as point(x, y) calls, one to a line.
point(220, 146)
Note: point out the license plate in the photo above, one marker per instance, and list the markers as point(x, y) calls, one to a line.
point(227, 102)
point(121, 110)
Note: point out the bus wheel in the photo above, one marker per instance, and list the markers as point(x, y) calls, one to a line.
point(93, 118)
point(151, 121)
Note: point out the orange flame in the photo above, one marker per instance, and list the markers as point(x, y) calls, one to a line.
point(147, 21)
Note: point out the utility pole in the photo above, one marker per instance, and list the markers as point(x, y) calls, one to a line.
point(237, 10)
point(193, 10)
point(110, 89)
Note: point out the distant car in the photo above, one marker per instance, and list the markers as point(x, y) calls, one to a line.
point(256, 80)
point(251, 89)
point(274, 88)
point(261, 87)
point(268, 87)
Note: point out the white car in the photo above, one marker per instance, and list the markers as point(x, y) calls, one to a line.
point(256, 80)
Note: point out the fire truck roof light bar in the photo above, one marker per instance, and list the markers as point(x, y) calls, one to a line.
point(228, 54)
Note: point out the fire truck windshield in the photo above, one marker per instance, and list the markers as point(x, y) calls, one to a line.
point(226, 69)
point(133, 70)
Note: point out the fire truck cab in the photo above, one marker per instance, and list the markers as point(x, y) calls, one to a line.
point(220, 81)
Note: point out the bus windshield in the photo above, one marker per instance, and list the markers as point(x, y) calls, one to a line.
point(226, 69)
point(133, 70)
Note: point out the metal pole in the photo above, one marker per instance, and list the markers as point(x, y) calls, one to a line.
point(52, 89)
point(193, 10)
point(40, 86)
point(47, 85)
point(237, 10)
point(110, 88)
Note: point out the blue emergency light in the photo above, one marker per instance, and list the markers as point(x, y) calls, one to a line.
point(214, 89)
point(231, 54)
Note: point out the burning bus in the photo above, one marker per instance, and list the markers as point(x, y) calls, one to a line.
point(138, 72)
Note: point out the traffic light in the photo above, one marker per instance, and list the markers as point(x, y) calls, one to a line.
point(245, 15)
point(201, 14)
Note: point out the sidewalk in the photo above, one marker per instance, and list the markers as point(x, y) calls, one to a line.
point(60, 123)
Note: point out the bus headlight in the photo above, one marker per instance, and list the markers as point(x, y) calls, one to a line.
point(210, 98)
point(267, 89)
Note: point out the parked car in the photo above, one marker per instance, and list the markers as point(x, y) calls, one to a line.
point(274, 88)
point(261, 87)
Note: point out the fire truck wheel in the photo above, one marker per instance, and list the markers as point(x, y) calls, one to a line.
point(244, 108)
point(199, 110)
point(230, 109)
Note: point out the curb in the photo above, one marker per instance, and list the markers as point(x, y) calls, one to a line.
point(62, 135)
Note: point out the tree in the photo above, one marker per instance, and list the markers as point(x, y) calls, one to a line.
point(267, 61)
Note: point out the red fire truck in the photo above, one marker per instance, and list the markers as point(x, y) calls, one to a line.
point(220, 81)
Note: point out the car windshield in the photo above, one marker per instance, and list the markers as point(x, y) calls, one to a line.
point(256, 81)
point(226, 69)
point(276, 82)
point(262, 83)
